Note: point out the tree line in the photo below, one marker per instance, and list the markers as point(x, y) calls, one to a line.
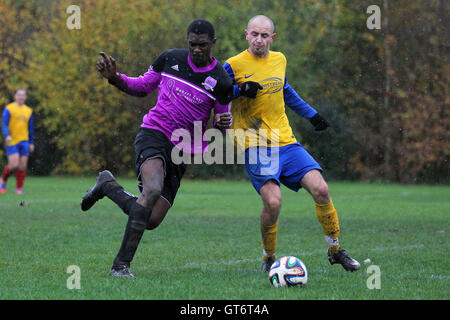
point(385, 91)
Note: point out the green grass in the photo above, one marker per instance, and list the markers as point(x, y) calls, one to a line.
point(209, 245)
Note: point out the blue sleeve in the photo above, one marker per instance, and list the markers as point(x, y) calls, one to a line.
point(296, 103)
point(5, 122)
point(31, 129)
point(230, 72)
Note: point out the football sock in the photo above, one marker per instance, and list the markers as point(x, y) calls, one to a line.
point(269, 239)
point(137, 221)
point(328, 218)
point(120, 196)
point(20, 176)
point(6, 174)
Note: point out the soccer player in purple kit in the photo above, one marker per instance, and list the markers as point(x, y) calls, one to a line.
point(190, 82)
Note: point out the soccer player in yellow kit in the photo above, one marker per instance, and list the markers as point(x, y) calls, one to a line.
point(18, 131)
point(273, 155)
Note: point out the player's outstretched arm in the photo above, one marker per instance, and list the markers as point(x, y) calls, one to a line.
point(106, 65)
point(296, 103)
point(319, 122)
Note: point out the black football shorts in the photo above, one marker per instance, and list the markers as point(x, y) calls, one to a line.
point(151, 144)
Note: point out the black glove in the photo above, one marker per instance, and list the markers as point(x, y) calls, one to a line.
point(249, 89)
point(319, 122)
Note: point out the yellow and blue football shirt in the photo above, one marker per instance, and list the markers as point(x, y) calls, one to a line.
point(17, 122)
point(265, 115)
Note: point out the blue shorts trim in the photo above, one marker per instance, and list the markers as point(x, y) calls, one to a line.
point(22, 148)
point(286, 165)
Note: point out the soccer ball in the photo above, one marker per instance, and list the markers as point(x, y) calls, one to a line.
point(288, 271)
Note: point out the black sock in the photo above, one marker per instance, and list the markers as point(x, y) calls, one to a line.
point(137, 221)
point(120, 196)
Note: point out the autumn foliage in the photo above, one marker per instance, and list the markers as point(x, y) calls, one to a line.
point(384, 91)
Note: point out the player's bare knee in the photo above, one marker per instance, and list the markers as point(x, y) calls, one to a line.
point(153, 225)
point(321, 193)
point(158, 214)
point(150, 194)
point(273, 204)
point(155, 219)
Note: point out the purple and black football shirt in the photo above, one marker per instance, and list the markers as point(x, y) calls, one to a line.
point(186, 94)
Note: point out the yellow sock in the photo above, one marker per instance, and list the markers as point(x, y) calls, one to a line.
point(269, 239)
point(328, 218)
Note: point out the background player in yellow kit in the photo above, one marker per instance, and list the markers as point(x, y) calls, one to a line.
point(283, 160)
point(18, 131)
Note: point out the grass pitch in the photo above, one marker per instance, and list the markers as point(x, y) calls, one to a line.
point(209, 245)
